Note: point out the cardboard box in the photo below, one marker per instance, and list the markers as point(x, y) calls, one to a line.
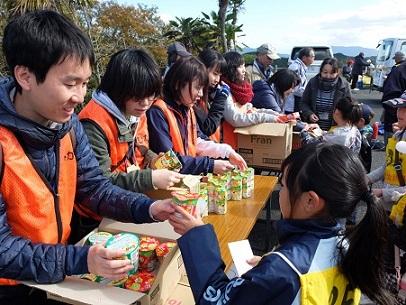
point(265, 145)
point(74, 290)
point(182, 295)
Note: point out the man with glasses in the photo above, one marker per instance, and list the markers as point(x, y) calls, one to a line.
point(261, 67)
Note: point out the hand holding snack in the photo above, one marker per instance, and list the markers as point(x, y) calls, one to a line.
point(162, 209)
point(253, 261)
point(163, 179)
point(102, 261)
point(182, 221)
point(222, 166)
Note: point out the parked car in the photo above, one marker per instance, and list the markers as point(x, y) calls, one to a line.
point(384, 60)
point(320, 52)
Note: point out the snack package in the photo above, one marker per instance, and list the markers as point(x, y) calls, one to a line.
point(236, 185)
point(192, 183)
point(226, 180)
point(163, 249)
point(118, 283)
point(98, 238)
point(141, 281)
point(128, 242)
point(168, 160)
point(147, 256)
point(289, 117)
point(221, 199)
point(247, 182)
point(203, 200)
point(217, 194)
point(186, 200)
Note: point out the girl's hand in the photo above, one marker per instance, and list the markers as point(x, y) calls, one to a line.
point(164, 179)
point(102, 261)
point(237, 160)
point(395, 127)
point(253, 261)
point(222, 166)
point(182, 221)
point(313, 118)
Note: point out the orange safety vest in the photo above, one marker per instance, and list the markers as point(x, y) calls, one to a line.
point(174, 132)
point(34, 212)
point(215, 136)
point(118, 150)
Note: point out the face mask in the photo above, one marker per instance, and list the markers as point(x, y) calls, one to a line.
point(327, 83)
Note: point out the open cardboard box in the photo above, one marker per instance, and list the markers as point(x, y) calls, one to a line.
point(74, 290)
point(265, 145)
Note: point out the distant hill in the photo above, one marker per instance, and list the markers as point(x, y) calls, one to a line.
point(348, 51)
point(353, 51)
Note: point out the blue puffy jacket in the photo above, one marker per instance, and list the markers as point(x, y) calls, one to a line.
point(265, 96)
point(273, 282)
point(160, 139)
point(21, 259)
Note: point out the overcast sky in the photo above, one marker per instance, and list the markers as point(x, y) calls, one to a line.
point(305, 22)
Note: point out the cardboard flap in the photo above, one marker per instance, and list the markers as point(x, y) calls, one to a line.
point(87, 292)
point(157, 229)
point(267, 129)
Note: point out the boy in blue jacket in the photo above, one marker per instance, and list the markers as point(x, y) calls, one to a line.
point(47, 164)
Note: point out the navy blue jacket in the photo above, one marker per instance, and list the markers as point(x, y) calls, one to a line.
point(160, 139)
point(265, 96)
point(20, 258)
point(393, 87)
point(271, 282)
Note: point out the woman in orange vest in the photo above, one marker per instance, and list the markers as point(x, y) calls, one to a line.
point(209, 111)
point(238, 110)
point(113, 117)
point(172, 122)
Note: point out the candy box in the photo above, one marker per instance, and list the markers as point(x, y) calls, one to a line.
point(74, 290)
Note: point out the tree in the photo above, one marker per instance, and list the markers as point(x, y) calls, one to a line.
point(223, 4)
point(235, 7)
point(66, 7)
point(188, 31)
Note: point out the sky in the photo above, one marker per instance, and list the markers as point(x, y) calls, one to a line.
point(287, 23)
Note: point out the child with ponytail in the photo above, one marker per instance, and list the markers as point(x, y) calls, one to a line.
point(319, 260)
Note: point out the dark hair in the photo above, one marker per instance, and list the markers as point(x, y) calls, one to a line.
point(213, 60)
point(350, 110)
point(304, 52)
point(283, 80)
point(234, 60)
point(333, 62)
point(131, 73)
point(337, 175)
point(40, 39)
point(367, 113)
point(183, 72)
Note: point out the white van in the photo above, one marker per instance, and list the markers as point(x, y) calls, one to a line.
point(320, 52)
point(384, 60)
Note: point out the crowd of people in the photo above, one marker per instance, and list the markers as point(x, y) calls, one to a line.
point(62, 172)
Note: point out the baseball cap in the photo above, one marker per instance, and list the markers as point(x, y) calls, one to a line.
point(399, 54)
point(269, 50)
point(179, 49)
point(367, 112)
point(399, 102)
